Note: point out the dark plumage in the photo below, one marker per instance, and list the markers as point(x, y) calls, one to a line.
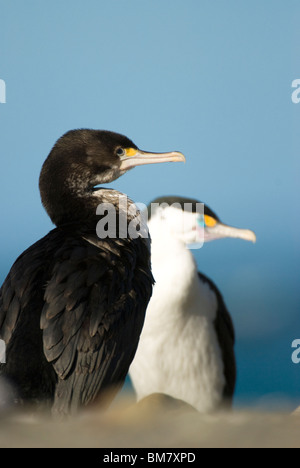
point(226, 338)
point(73, 305)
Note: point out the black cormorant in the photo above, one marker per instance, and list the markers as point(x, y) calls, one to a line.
point(186, 348)
point(73, 305)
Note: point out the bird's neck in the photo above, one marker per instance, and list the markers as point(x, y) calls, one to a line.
point(173, 264)
point(119, 214)
point(106, 213)
point(67, 201)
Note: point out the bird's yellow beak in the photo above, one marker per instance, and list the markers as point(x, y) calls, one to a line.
point(135, 157)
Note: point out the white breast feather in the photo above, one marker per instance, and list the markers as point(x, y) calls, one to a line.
point(178, 353)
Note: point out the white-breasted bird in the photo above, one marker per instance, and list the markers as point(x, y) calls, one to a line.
point(186, 348)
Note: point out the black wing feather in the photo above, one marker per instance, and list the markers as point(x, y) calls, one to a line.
point(226, 337)
point(71, 312)
point(95, 349)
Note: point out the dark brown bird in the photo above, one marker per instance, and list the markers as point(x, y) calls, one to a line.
point(72, 307)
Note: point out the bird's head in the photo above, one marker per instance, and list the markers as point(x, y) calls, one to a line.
point(82, 159)
point(191, 221)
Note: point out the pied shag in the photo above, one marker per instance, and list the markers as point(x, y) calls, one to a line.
point(186, 348)
point(72, 307)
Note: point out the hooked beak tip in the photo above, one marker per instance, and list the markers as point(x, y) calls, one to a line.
point(178, 157)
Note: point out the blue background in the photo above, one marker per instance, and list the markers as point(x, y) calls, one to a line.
point(211, 79)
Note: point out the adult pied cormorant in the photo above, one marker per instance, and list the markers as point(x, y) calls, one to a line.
point(73, 305)
point(186, 348)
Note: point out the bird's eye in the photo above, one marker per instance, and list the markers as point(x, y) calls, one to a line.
point(200, 221)
point(120, 152)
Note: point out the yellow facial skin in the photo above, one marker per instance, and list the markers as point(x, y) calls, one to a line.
point(130, 152)
point(209, 221)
